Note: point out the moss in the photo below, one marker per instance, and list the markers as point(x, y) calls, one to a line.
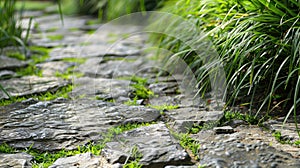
point(17, 55)
point(29, 70)
point(74, 29)
point(62, 92)
point(53, 29)
point(75, 60)
point(69, 73)
point(91, 31)
point(55, 37)
point(39, 54)
point(93, 22)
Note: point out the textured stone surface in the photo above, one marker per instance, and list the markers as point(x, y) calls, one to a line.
point(223, 130)
point(101, 88)
point(5, 74)
point(51, 68)
point(110, 69)
point(7, 63)
point(248, 146)
point(29, 85)
point(183, 119)
point(85, 160)
point(18, 160)
point(155, 144)
point(91, 51)
point(54, 125)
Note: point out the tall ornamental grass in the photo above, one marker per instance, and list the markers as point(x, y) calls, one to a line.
point(110, 9)
point(259, 45)
point(10, 30)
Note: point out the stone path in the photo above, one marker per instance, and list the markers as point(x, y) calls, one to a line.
point(96, 104)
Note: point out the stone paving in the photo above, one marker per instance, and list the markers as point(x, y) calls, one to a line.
point(96, 104)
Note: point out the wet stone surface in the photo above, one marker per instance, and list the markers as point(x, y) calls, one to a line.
point(54, 125)
point(31, 85)
point(154, 144)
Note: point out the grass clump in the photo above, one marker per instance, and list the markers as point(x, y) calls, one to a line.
point(258, 44)
point(284, 140)
point(190, 144)
point(17, 55)
point(50, 95)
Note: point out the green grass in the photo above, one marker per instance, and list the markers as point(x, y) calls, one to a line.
point(10, 31)
point(46, 159)
point(189, 143)
point(32, 5)
point(69, 73)
point(17, 55)
point(62, 92)
point(277, 135)
point(55, 37)
point(75, 60)
point(258, 44)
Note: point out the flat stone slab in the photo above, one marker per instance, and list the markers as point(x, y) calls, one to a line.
point(247, 146)
point(64, 124)
point(51, 68)
point(101, 88)
point(18, 160)
point(223, 130)
point(94, 67)
point(85, 160)
point(182, 119)
point(7, 63)
point(29, 85)
point(87, 51)
point(153, 143)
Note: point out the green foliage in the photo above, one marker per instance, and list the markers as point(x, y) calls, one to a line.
point(62, 92)
point(129, 126)
point(55, 37)
point(277, 135)
point(189, 143)
point(32, 5)
point(4, 148)
point(141, 91)
point(250, 119)
point(69, 73)
point(10, 30)
point(111, 9)
point(17, 55)
point(258, 43)
point(165, 107)
point(133, 164)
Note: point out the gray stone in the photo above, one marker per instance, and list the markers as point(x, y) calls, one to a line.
point(29, 85)
point(110, 69)
point(154, 143)
point(7, 63)
point(223, 130)
point(64, 124)
point(18, 160)
point(104, 89)
point(183, 119)
point(5, 74)
point(91, 51)
point(51, 68)
point(164, 88)
point(85, 160)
